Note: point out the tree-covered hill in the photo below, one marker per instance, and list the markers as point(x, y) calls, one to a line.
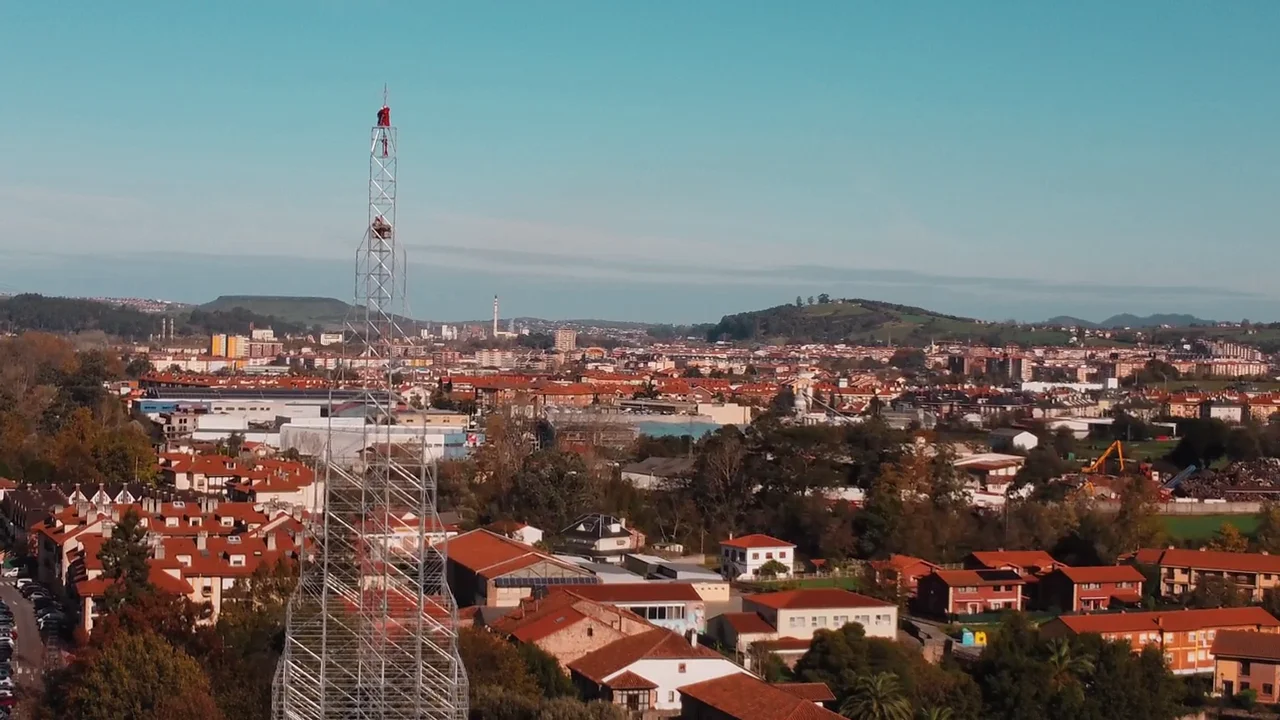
point(868, 322)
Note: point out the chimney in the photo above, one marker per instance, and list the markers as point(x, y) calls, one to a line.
point(82, 510)
point(202, 540)
point(271, 542)
point(159, 551)
point(107, 527)
point(115, 514)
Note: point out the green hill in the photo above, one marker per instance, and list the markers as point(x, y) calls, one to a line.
point(871, 322)
point(305, 311)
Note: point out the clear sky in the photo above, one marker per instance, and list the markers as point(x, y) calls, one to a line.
point(653, 160)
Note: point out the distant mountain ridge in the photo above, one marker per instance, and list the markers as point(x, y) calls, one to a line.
point(1127, 320)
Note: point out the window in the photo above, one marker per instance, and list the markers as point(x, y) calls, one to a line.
point(883, 619)
point(1191, 656)
point(768, 556)
point(1244, 685)
point(822, 621)
point(1245, 668)
point(1268, 689)
point(591, 631)
point(755, 556)
point(671, 694)
point(782, 554)
point(1091, 586)
point(621, 542)
point(840, 620)
point(1212, 633)
point(682, 667)
point(813, 621)
point(797, 622)
point(1202, 655)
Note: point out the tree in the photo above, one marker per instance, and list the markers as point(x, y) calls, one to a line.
point(1203, 442)
point(823, 299)
point(493, 662)
point(799, 301)
point(545, 671)
point(811, 300)
point(773, 569)
point(125, 560)
point(1065, 666)
point(1267, 536)
point(551, 488)
point(877, 697)
point(1228, 538)
point(137, 675)
point(235, 443)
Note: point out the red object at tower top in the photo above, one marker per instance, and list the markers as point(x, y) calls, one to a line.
point(384, 117)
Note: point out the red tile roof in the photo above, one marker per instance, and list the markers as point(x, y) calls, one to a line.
point(1018, 558)
point(743, 697)
point(812, 691)
point(1213, 560)
point(816, 598)
point(756, 541)
point(490, 555)
point(655, 644)
point(901, 562)
point(748, 623)
point(631, 681)
point(1247, 644)
point(1170, 621)
point(1102, 574)
point(980, 578)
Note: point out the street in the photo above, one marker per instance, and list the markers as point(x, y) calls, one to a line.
point(28, 654)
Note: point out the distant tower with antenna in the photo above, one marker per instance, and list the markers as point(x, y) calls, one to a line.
point(494, 335)
point(372, 630)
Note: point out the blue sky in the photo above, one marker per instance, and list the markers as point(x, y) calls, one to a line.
point(656, 160)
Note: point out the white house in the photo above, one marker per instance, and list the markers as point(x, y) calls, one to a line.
point(741, 558)
point(645, 672)
point(786, 621)
point(518, 531)
point(1013, 438)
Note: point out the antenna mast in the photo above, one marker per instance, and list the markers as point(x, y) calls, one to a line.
point(372, 631)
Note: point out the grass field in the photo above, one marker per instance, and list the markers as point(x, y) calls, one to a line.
point(1202, 527)
point(1139, 450)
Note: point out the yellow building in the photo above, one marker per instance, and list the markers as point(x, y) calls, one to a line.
point(223, 345)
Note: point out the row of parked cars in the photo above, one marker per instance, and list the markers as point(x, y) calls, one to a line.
point(50, 617)
point(8, 638)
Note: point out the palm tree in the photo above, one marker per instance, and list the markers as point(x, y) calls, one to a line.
point(1065, 667)
point(877, 697)
point(936, 713)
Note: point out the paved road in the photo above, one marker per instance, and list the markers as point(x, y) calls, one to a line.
point(28, 655)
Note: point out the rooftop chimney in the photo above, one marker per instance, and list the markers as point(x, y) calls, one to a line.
point(107, 527)
point(202, 540)
point(271, 542)
point(159, 552)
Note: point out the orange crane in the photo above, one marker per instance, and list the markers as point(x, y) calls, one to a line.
point(1101, 462)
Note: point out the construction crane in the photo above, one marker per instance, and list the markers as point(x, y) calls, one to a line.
point(1101, 462)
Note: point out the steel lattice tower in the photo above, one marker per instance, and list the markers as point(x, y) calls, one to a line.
point(372, 628)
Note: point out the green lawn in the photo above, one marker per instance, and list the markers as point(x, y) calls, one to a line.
point(1202, 527)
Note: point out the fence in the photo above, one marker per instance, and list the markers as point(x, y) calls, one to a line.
point(1195, 508)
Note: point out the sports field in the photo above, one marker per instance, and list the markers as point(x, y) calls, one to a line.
point(1202, 527)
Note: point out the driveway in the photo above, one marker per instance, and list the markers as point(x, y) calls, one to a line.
point(28, 655)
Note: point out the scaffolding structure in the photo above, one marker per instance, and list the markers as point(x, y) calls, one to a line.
point(372, 628)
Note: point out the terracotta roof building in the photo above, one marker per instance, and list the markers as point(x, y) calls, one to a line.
point(743, 697)
point(1083, 589)
point(1182, 570)
point(1244, 660)
point(1185, 636)
point(488, 569)
point(644, 672)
